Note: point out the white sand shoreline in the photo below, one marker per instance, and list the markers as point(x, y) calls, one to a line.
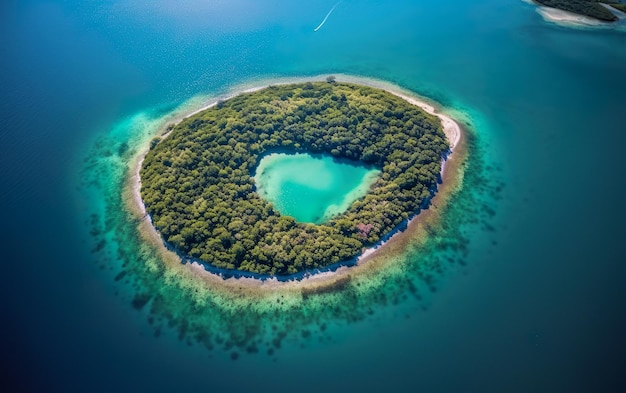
point(571, 19)
point(451, 129)
point(566, 18)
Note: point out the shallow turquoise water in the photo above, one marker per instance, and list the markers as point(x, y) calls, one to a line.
point(531, 302)
point(311, 189)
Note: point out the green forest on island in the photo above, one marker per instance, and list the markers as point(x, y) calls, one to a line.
point(591, 8)
point(197, 183)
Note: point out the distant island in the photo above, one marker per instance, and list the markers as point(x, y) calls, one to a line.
point(197, 183)
point(591, 8)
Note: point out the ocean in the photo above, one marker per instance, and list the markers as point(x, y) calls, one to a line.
point(531, 300)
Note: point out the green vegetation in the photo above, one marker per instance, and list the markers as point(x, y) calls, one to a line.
point(590, 8)
point(619, 7)
point(197, 183)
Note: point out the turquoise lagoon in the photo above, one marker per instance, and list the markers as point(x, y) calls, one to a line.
point(311, 188)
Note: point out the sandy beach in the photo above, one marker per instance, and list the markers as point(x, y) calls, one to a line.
point(371, 260)
point(569, 19)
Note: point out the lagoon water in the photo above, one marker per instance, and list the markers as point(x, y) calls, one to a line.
point(537, 302)
point(311, 189)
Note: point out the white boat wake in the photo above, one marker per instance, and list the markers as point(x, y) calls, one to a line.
point(327, 15)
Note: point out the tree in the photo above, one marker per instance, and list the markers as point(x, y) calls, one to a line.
point(197, 183)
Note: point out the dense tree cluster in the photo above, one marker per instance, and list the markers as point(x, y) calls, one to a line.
point(591, 8)
point(198, 186)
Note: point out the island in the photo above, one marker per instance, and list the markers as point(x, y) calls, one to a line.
point(198, 187)
point(598, 10)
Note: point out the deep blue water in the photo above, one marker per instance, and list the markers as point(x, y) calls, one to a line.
point(538, 305)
